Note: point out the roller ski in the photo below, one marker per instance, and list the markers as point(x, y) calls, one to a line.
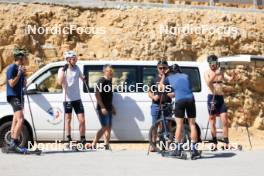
point(227, 147)
point(75, 146)
point(72, 145)
point(20, 150)
point(178, 154)
point(195, 154)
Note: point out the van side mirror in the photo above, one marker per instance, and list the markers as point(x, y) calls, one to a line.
point(31, 89)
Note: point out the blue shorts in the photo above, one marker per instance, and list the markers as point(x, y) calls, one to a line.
point(217, 106)
point(155, 112)
point(105, 120)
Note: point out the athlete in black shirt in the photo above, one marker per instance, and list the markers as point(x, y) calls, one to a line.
point(105, 108)
point(158, 97)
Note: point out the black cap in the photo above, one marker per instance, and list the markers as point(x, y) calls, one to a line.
point(176, 68)
point(212, 58)
point(19, 53)
point(163, 62)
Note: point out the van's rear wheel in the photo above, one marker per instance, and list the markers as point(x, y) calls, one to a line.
point(5, 134)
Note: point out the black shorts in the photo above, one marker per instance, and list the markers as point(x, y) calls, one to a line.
point(16, 103)
point(216, 105)
point(185, 105)
point(76, 105)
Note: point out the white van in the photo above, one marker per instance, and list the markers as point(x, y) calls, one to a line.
point(133, 119)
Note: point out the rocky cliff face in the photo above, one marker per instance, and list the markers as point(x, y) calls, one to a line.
point(196, 3)
point(140, 34)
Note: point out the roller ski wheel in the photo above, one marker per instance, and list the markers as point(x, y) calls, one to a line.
point(73, 146)
point(213, 147)
point(183, 155)
point(36, 152)
point(5, 150)
point(238, 147)
point(90, 146)
point(22, 151)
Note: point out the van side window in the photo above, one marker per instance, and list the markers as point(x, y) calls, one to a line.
point(124, 76)
point(194, 75)
point(47, 81)
point(93, 74)
point(149, 74)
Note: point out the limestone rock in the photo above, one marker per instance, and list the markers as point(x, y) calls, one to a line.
point(142, 34)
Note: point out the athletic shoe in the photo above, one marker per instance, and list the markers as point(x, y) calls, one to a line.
point(195, 154)
point(21, 150)
point(107, 147)
point(14, 148)
point(175, 153)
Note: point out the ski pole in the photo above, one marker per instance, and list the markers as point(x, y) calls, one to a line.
point(248, 134)
point(32, 120)
point(87, 88)
point(249, 139)
point(65, 80)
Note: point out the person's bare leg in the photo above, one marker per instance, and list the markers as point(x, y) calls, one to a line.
point(193, 129)
point(81, 124)
point(98, 135)
point(104, 136)
point(107, 135)
point(68, 117)
point(179, 126)
point(212, 121)
point(19, 123)
point(224, 121)
point(14, 122)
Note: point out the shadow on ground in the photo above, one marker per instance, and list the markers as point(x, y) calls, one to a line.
point(218, 155)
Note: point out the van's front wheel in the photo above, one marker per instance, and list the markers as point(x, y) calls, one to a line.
point(5, 134)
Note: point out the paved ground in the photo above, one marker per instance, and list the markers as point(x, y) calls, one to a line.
point(136, 163)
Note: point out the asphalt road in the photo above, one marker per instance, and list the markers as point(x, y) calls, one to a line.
point(136, 163)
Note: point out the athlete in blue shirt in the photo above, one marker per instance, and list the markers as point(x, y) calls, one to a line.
point(184, 102)
point(15, 96)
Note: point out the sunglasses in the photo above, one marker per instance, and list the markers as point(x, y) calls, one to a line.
point(109, 70)
point(162, 68)
point(71, 58)
point(213, 63)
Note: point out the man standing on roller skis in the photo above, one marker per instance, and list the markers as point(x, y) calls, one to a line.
point(214, 78)
point(15, 84)
point(68, 77)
